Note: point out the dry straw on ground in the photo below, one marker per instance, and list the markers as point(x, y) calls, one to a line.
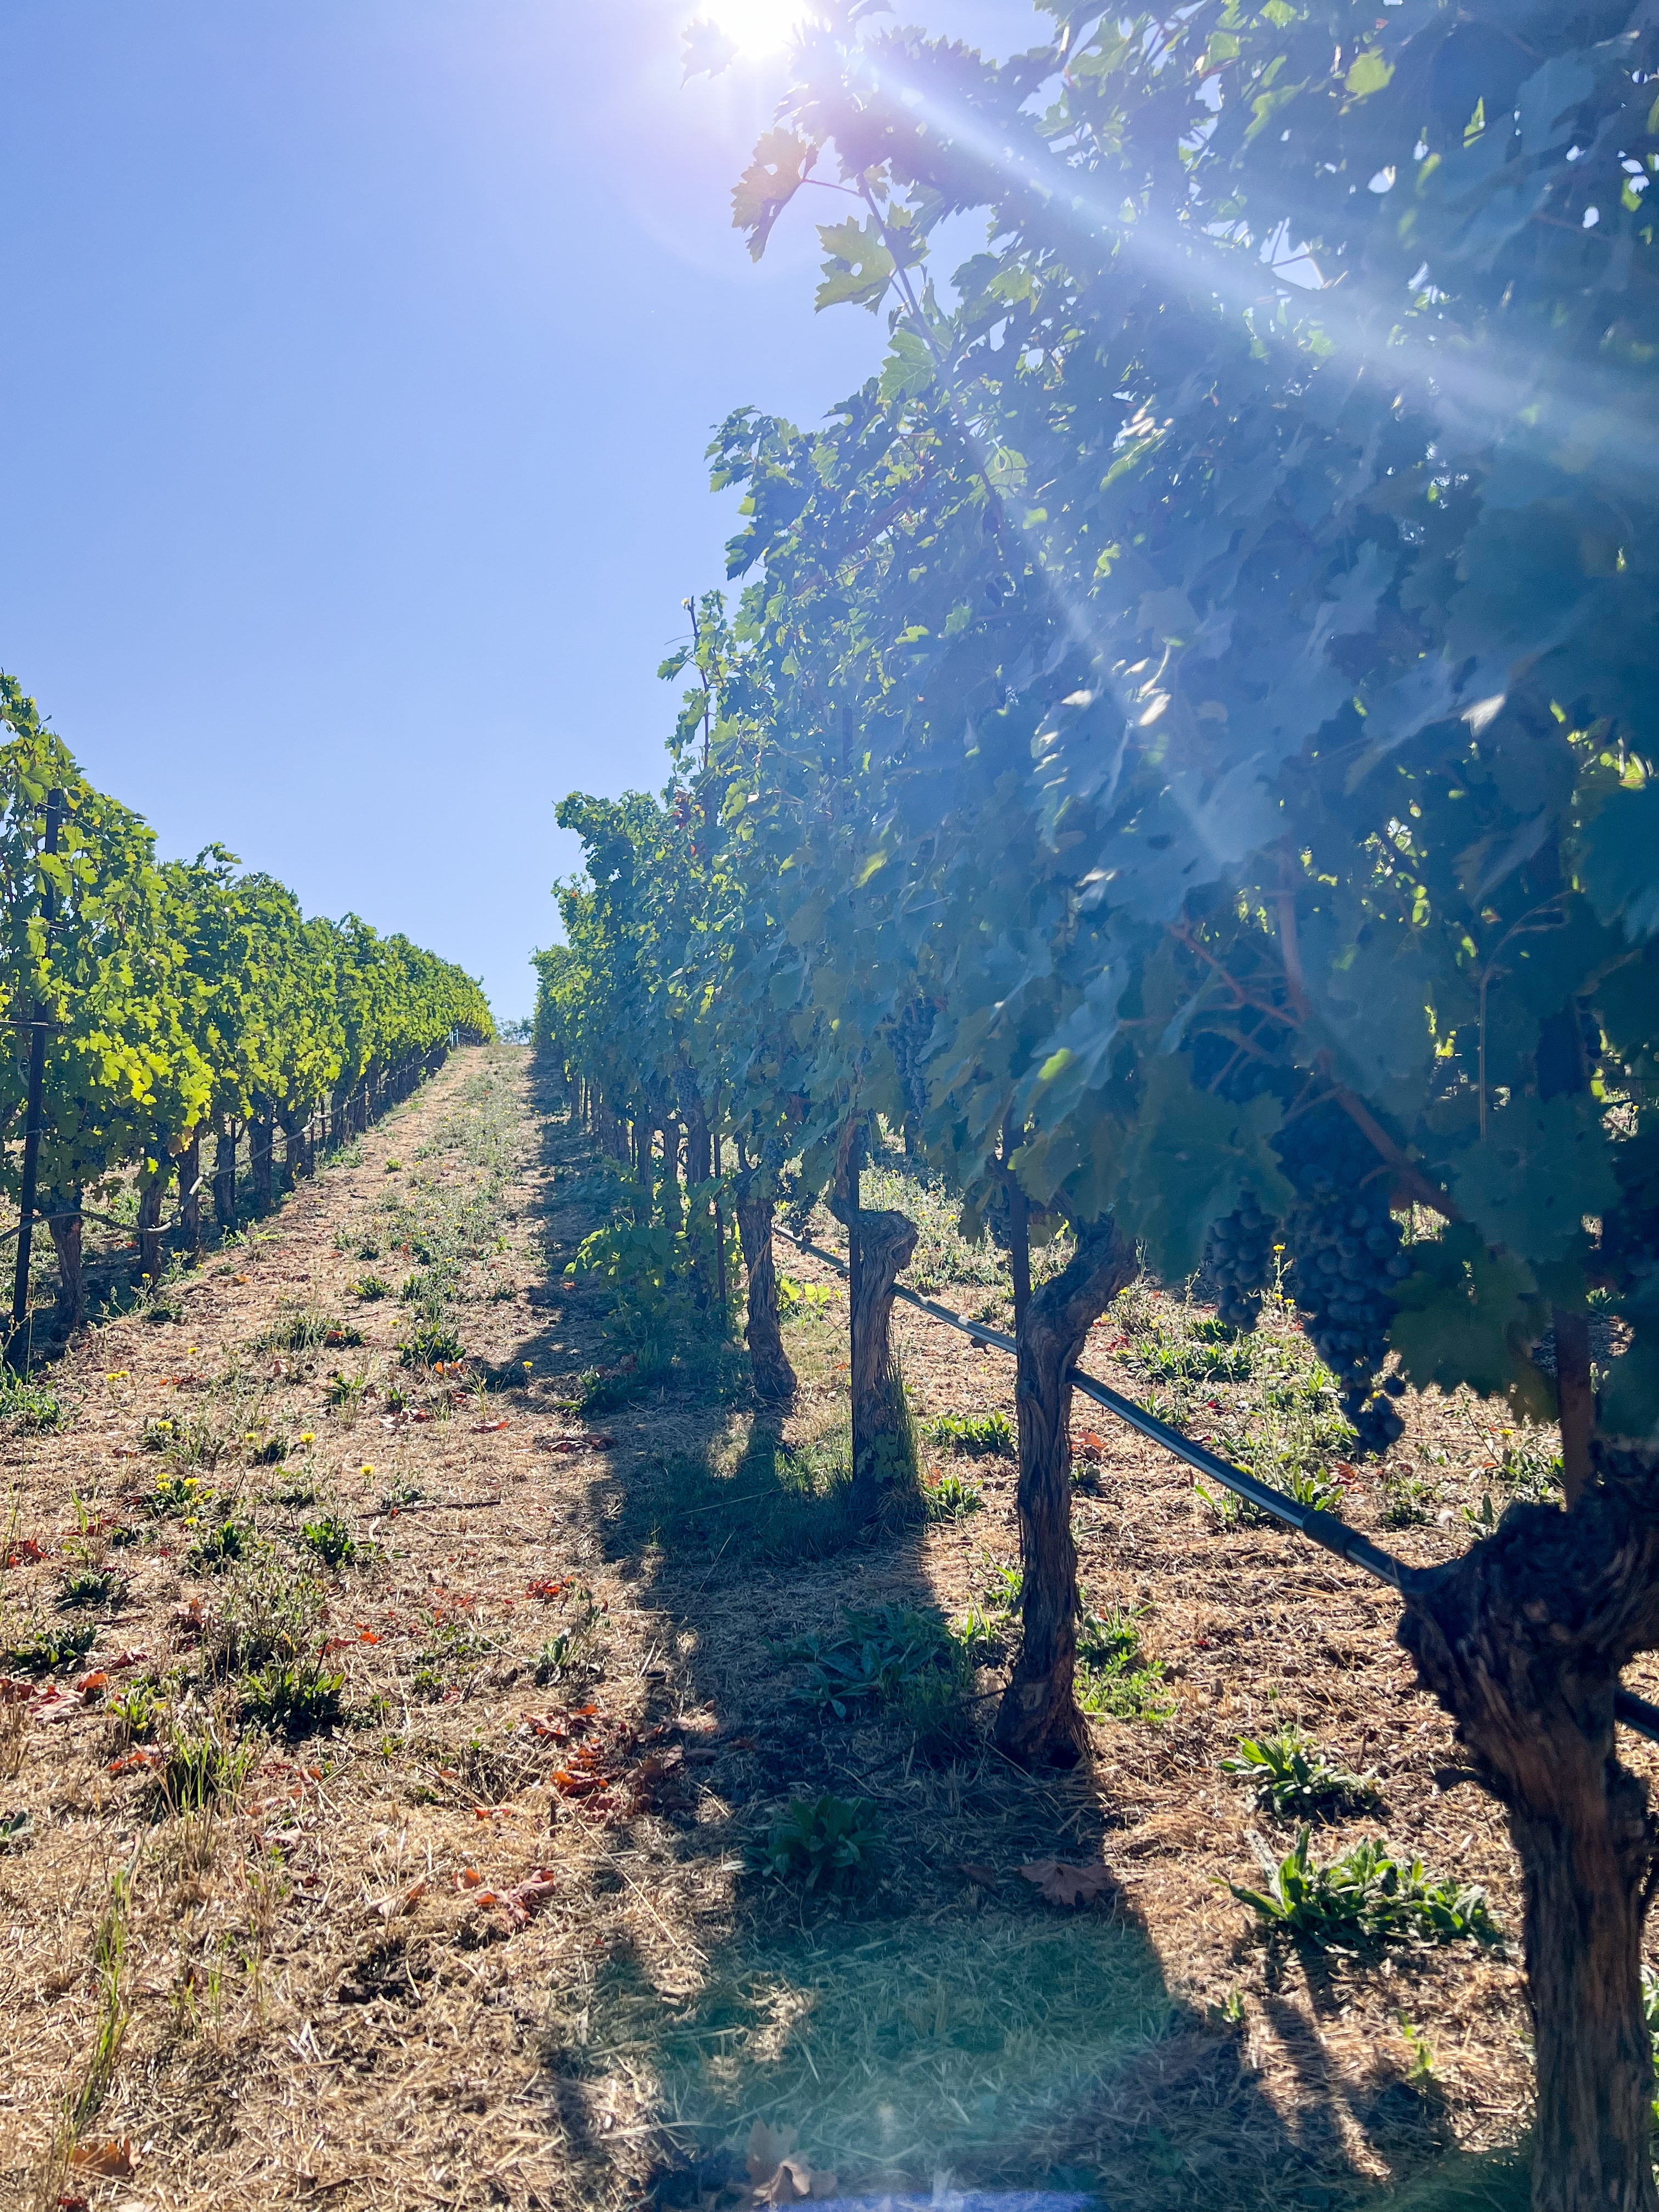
point(485, 1930)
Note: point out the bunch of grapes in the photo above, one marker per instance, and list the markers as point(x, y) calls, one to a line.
point(1239, 1260)
point(1344, 1246)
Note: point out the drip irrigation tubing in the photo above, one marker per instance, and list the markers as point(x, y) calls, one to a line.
point(1318, 1527)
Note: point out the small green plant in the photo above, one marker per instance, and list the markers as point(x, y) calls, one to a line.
point(1530, 1472)
point(1407, 1500)
point(268, 1449)
point(369, 1288)
point(133, 1714)
point(218, 1548)
point(28, 1406)
point(303, 1328)
point(803, 1301)
point(553, 1660)
point(267, 1611)
point(1005, 1586)
point(1365, 1895)
point(394, 1167)
point(430, 1344)
point(1113, 1678)
point(202, 1767)
point(951, 1498)
point(1419, 2069)
point(293, 1697)
point(91, 1586)
point(192, 1442)
point(332, 1540)
point(932, 1707)
point(177, 1493)
point(978, 1436)
point(870, 1658)
point(1295, 1780)
point(50, 1648)
point(297, 1493)
point(824, 1844)
point(346, 1393)
point(401, 1496)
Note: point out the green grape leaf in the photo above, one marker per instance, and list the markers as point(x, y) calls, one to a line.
point(782, 165)
point(1192, 1157)
point(1470, 1316)
point(1619, 861)
point(1539, 1170)
point(859, 266)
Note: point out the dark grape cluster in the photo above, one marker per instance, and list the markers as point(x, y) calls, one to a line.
point(1239, 1261)
point(1344, 1247)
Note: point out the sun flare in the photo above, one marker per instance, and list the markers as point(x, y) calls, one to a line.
point(756, 27)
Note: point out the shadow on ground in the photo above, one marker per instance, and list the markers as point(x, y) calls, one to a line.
point(947, 2025)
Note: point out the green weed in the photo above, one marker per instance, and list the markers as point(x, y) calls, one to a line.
point(803, 1301)
point(29, 1406)
point(268, 1613)
point(1364, 1896)
point(293, 1697)
point(1113, 1678)
point(91, 1586)
point(431, 1344)
point(369, 1288)
point(332, 1540)
point(1294, 1779)
point(203, 1767)
point(951, 1498)
point(825, 1842)
point(304, 1329)
point(218, 1548)
point(978, 1435)
point(50, 1647)
point(869, 1659)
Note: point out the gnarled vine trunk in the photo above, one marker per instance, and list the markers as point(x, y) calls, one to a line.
point(224, 1177)
point(774, 1376)
point(262, 1138)
point(63, 1220)
point(190, 1194)
point(1521, 1640)
point(152, 1188)
point(881, 1452)
point(1039, 1717)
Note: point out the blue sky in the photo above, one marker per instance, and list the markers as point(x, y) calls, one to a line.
point(361, 358)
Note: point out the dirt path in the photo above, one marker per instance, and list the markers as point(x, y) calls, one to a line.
point(483, 1924)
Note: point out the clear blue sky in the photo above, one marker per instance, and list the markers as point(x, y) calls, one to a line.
point(359, 359)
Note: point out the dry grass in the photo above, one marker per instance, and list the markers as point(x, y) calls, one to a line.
point(558, 1654)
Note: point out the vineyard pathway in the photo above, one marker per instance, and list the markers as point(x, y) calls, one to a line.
point(481, 1924)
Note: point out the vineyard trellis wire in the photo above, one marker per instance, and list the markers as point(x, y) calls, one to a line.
point(1319, 1526)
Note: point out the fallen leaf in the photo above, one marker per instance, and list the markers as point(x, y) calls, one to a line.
point(25, 1554)
point(389, 1907)
point(488, 1428)
point(92, 1685)
point(524, 1899)
point(110, 2161)
point(1068, 1885)
point(468, 1878)
point(1093, 1441)
point(769, 2147)
point(986, 1877)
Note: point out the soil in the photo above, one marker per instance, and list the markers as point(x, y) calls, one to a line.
point(492, 1928)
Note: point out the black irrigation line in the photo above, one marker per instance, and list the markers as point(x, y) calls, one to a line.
point(1318, 1528)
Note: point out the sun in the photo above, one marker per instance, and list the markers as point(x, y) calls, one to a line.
point(756, 27)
